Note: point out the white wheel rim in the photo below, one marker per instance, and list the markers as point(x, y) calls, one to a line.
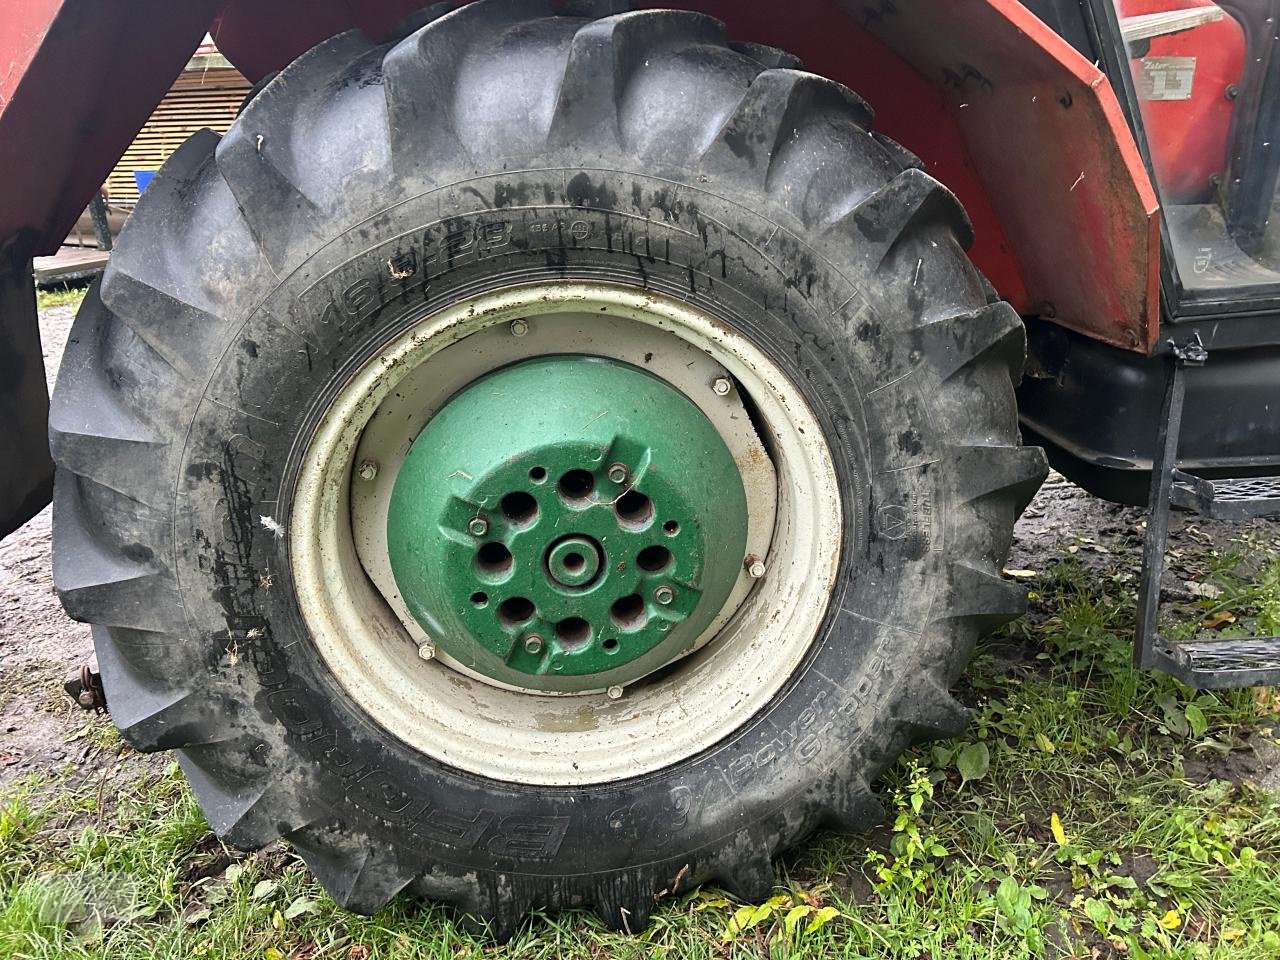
point(466, 722)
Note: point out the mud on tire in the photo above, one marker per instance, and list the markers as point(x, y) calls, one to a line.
point(642, 149)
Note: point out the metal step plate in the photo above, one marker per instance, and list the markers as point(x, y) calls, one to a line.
point(1222, 664)
point(1240, 498)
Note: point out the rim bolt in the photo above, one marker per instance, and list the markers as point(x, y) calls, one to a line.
point(478, 526)
point(368, 469)
point(427, 651)
point(519, 328)
point(664, 595)
point(755, 567)
point(721, 386)
point(615, 692)
point(618, 473)
point(533, 644)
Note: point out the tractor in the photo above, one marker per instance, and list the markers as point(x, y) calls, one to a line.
point(556, 454)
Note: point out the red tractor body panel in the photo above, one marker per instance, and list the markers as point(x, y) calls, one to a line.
point(1000, 108)
point(81, 80)
point(1025, 130)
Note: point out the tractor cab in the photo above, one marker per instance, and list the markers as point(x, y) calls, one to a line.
point(1205, 82)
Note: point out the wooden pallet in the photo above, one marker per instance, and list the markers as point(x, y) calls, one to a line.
point(70, 263)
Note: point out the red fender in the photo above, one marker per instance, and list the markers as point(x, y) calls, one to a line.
point(1001, 109)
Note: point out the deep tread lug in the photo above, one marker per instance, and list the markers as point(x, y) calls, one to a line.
point(851, 806)
point(91, 431)
point(138, 303)
point(148, 718)
point(362, 877)
point(769, 58)
point(1002, 471)
point(613, 48)
point(770, 113)
point(256, 89)
point(185, 162)
point(982, 597)
point(905, 159)
point(137, 284)
point(624, 902)
point(498, 925)
point(98, 586)
point(750, 877)
point(422, 69)
point(954, 344)
point(275, 211)
point(909, 200)
point(246, 815)
point(256, 160)
point(930, 711)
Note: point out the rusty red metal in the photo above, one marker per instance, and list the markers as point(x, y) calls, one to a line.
point(1001, 109)
point(1064, 175)
point(1027, 133)
point(79, 80)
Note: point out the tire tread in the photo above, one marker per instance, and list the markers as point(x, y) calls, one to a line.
point(774, 136)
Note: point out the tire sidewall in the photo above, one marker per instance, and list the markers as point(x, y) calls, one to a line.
point(840, 342)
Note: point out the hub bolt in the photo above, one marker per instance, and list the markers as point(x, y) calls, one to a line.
point(368, 469)
point(478, 526)
point(615, 692)
point(519, 328)
point(533, 644)
point(618, 473)
point(427, 651)
point(755, 566)
point(721, 386)
point(664, 595)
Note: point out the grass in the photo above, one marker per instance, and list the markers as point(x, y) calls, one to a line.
point(1081, 817)
point(60, 295)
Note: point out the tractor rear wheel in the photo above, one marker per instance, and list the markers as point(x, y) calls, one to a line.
point(540, 461)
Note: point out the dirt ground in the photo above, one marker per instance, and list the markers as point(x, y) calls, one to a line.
point(40, 647)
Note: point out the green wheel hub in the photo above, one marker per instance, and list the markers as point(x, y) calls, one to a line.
point(567, 523)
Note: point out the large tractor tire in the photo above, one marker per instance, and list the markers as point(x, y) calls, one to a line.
point(540, 461)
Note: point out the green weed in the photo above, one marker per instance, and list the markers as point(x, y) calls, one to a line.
point(60, 296)
point(1064, 825)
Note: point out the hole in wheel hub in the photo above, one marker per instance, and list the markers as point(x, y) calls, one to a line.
point(560, 514)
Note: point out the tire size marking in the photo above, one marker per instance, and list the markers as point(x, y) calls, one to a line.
point(408, 264)
point(396, 267)
point(802, 739)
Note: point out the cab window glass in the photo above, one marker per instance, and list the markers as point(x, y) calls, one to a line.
point(1207, 76)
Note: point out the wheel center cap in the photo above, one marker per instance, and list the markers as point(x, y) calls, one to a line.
point(567, 523)
point(574, 561)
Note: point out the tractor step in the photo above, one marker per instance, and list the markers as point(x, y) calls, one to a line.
point(1220, 664)
point(1245, 498)
point(1202, 664)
